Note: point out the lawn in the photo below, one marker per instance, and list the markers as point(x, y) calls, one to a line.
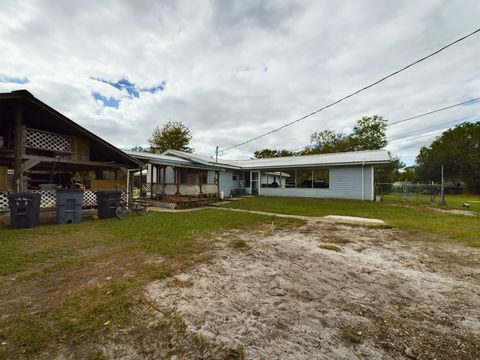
point(452, 201)
point(72, 286)
point(417, 218)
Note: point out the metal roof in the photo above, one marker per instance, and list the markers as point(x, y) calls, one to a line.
point(168, 160)
point(333, 159)
point(180, 158)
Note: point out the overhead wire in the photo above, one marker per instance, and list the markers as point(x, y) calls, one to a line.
point(355, 92)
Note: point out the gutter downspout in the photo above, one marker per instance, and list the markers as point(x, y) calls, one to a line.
point(363, 181)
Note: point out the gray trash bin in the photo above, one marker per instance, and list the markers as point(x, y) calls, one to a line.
point(107, 203)
point(24, 210)
point(69, 206)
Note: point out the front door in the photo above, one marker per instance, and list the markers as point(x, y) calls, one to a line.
point(254, 182)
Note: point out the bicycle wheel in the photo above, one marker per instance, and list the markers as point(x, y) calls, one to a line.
point(141, 209)
point(121, 212)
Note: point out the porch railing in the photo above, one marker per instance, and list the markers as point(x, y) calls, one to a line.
point(45, 140)
point(183, 189)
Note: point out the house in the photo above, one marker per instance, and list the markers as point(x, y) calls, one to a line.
point(41, 149)
point(348, 175)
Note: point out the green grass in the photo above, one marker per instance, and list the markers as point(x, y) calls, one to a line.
point(84, 279)
point(457, 201)
point(418, 218)
point(452, 201)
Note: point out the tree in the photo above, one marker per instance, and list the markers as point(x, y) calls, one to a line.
point(172, 136)
point(389, 173)
point(458, 149)
point(269, 153)
point(408, 174)
point(369, 134)
point(139, 148)
point(327, 141)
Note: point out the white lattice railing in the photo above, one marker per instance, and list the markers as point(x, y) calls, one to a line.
point(49, 197)
point(183, 189)
point(44, 140)
point(210, 189)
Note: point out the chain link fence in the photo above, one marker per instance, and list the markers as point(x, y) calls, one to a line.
point(409, 192)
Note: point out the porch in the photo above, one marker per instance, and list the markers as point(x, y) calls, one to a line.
point(169, 182)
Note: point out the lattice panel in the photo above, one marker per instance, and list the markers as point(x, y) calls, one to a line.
point(210, 189)
point(170, 189)
point(49, 197)
point(3, 202)
point(146, 187)
point(89, 198)
point(166, 205)
point(43, 140)
point(189, 190)
point(157, 189)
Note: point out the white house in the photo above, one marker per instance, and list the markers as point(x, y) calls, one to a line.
point(347, 175)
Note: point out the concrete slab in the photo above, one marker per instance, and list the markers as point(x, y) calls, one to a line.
point(353, 220)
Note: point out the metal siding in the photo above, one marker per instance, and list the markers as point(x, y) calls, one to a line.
point(226, 182)
point(345, 183)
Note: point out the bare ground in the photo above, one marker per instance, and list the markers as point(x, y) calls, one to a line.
point(329, 291)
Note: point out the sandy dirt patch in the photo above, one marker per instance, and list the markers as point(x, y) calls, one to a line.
point(329, 291)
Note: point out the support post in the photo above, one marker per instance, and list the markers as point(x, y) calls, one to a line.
point(200, 181)
point(141, 181)
point(164, 185)
point(151, 180)
point(177, 181)
point(442, 190)
point(19, 151)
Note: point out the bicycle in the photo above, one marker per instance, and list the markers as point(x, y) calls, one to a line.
point(138, 206)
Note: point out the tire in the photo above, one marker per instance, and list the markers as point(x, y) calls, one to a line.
point(121, 212)
point(141, 210)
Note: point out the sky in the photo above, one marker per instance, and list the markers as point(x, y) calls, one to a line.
point(231, 70)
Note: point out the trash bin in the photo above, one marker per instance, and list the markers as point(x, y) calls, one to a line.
point(107, 203)
point(24, 210)
point(69, 206)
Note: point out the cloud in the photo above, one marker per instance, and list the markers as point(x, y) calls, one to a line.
point(237, 69)
point(125, 88)
point(13, 80)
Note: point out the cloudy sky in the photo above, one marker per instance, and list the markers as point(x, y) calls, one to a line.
point(230, 70)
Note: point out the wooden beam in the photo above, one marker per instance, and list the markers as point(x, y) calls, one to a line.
point(200, 181)
point(19, 151)
point(48, 159)
point(27, 165)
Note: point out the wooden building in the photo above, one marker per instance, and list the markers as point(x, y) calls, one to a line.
point(40, 149)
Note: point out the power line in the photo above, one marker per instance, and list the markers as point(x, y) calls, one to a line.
point(434, 111)
point(357, 91)
point(417, 137)
point(447, 124)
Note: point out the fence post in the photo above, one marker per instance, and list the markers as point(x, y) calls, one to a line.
point(442, 190)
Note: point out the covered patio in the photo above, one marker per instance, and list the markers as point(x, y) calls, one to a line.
point(41, 150)
point(172, 182)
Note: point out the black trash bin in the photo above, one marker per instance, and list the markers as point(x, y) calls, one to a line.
point(107, 203)
point(24, 210)
point(69, 206)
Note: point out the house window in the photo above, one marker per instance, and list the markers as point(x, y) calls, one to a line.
point(321, 178)
point(304, 178)
point(234, 177)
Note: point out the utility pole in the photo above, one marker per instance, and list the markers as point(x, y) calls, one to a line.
point(442, 190)
point(216, 154)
